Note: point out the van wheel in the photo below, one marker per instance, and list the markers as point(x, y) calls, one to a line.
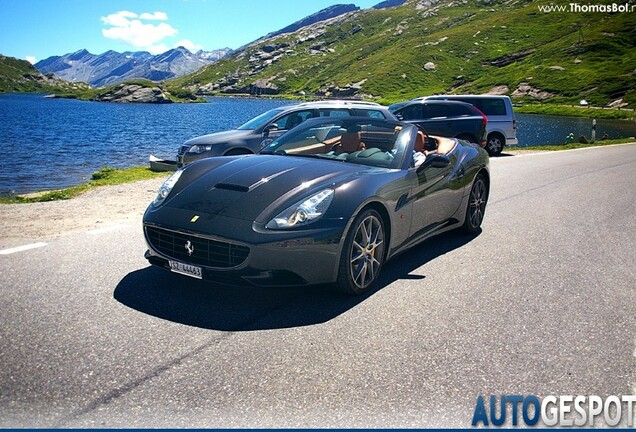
point(495, 144)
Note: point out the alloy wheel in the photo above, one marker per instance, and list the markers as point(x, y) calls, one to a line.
point(367, 252)
point(477, 203)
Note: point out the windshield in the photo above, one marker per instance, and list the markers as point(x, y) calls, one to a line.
point(261, 119)
point(352, 140)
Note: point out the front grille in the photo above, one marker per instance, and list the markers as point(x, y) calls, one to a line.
point(205, 252)
point(183, 150)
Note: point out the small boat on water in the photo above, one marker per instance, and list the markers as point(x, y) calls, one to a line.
point(161, 165)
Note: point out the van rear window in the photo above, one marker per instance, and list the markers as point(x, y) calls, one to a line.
point(488, 106)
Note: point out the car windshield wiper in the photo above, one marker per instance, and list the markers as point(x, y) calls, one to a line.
point(277, 152)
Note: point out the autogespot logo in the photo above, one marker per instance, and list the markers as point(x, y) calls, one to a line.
point(560, 411)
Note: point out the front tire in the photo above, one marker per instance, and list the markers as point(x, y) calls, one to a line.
point(362, 254)
point(495, 144)
point(476, 205)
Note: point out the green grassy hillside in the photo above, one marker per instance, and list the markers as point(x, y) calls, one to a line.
point(20, 76)
point(427, 47)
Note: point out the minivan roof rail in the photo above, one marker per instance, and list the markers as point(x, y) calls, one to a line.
point(341, 102)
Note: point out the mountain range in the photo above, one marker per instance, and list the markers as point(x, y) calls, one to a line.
point(112, 67)
point(396, 50)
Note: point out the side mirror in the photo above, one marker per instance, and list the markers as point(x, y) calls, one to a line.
point(269, 128)
point(435, 161)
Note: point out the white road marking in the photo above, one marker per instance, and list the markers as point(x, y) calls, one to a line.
point(106, 229)
point(22, 248)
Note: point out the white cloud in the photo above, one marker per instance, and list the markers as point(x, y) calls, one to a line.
point(119, 19)
point(126, 27)
point(158, 16)
point(31, 59)
point(188, 44)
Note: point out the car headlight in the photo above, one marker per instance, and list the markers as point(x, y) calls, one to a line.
point(166, 188)
point(198, 149)
point(302, 213)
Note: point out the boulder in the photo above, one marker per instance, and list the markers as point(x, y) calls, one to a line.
point(499, 90)
point(133, 93)
point(525, 89)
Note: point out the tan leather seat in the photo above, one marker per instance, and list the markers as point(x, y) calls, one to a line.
point(420, 139)
point(350, 142)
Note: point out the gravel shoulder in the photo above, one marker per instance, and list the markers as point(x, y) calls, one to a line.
point(99, 208)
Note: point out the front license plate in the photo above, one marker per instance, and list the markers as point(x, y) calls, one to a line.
point(186, 269)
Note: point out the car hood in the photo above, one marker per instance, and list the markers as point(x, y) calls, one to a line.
point(260, 185)
point(220, 137)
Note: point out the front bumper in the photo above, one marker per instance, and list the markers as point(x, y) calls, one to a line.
point(276, 258)
point(512, 141)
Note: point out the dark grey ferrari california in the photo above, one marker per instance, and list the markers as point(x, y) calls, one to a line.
point(328, 202)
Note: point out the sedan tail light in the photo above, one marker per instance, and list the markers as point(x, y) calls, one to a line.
point(484, 122)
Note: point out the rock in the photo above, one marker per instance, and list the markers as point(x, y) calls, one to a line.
point(618, 103)
point(510, 58)
point(133, 93)
point(336, 91)
point(577, 61)
point(499, 90)
point(557, 68)
point(525, 89)
point(430, 66)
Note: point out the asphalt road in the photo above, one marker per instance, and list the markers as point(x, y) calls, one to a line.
point(541, 302)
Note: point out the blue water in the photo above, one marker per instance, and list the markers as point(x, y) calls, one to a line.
point(56, 143)
point(535, 129)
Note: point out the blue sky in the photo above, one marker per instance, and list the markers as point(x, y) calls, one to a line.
point(37, 29)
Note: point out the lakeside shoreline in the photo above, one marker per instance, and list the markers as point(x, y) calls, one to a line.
point(112, 177)
point(589, 112)
point(99, 208)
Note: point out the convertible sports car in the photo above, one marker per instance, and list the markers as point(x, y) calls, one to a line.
point(328, 202)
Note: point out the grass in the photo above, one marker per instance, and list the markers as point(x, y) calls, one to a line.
point(572, 146)
point(106, 176)
point(572, 56)
point(575, 111)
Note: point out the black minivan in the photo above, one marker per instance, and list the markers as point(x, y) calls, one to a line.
point(446, 118)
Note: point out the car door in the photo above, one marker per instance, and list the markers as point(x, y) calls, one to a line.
point(437, 120)
point(282, 124)
point(434, 197)
point(289, 121)
point(433, 118)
